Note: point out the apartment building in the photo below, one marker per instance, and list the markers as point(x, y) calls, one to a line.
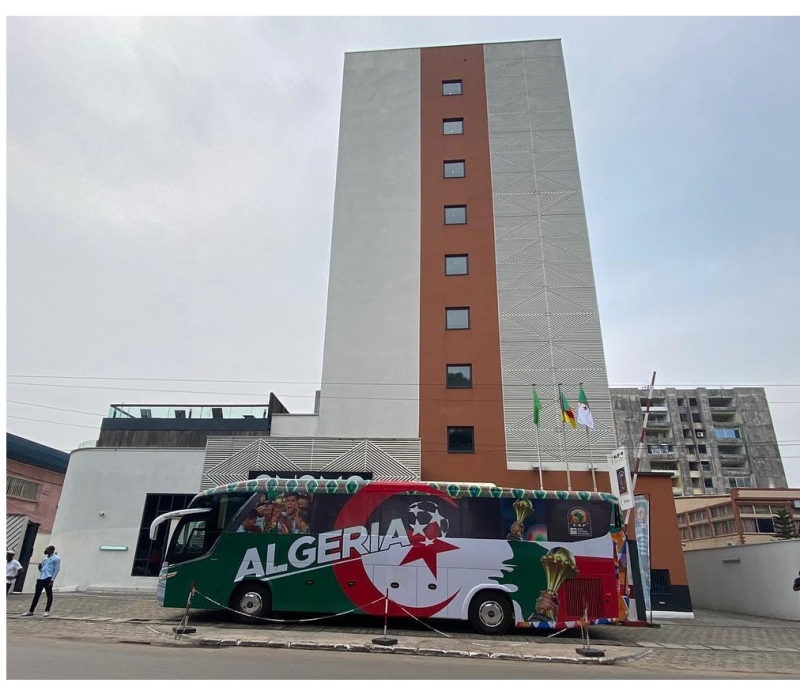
point(709, 440)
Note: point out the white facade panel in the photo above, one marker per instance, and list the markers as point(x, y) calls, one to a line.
point(549, 323)
point(371, 356)
point(114, 481)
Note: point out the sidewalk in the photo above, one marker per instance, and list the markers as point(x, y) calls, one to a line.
point(712, 641)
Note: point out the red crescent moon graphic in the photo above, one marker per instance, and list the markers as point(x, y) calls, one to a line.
point(364, 591)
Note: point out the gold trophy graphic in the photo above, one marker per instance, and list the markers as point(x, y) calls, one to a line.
point(559, 565)
point(522, 508)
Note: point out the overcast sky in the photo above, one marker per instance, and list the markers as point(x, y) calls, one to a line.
point(170, 199)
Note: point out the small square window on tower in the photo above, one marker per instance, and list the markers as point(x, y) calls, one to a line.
point(456, 264)
point(454, 87)
point(457, 318)
point(452, 126)
point(459, 376)
point(460, 439)
point(454, 169)
point(455, 215)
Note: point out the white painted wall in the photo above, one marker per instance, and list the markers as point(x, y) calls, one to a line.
point(746, 579)
point(370, 365)
point(285, 424)
point(115, 481)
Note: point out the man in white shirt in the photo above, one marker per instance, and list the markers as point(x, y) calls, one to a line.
point(13, 570)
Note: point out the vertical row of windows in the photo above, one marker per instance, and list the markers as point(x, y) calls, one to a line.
point(460, 439)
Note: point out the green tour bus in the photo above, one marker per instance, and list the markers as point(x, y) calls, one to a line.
point(498, 557)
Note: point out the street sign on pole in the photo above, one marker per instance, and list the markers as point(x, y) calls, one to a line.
point(620, 474)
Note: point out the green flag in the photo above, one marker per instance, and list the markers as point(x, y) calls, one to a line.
point(537, 407)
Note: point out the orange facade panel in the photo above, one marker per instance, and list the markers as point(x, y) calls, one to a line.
point(481, 406)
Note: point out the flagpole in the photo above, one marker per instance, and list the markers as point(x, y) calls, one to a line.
point(564, 436)
point(589, 448)
point(591, 461)
point(538, 450)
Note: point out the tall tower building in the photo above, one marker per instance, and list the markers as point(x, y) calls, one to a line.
point(460, 270)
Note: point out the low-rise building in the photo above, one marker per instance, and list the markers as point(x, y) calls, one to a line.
point(744, 516)
point(34, 479)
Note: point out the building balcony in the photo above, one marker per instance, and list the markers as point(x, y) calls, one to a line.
point(732, 457)
point(721, 408)
point(655, 409)
point(672, 473)
point(662, 454)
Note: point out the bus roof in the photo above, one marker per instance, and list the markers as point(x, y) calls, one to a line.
point(452, 489)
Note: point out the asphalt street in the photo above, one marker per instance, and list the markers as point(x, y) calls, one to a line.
point(712, 644)
point(47, 659)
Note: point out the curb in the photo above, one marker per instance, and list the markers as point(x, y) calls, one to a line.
point(416, 651)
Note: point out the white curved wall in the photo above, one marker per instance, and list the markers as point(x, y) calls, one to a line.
point(115, 481)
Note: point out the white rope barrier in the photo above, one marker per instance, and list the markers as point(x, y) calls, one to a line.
point(288, 621)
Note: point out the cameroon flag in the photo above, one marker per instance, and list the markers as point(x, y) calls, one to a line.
point(566, 412)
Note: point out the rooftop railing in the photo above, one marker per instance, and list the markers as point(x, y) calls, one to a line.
point(188, 412)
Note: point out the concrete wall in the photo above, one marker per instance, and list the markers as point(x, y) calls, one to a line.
point(114, 481)
point(294, 425)
point(370, 363)
point(753, 580)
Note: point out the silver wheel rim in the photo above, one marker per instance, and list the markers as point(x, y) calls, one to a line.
point(251, 603)
point(491, 613)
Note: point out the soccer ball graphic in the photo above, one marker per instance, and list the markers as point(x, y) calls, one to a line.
point(426, 520)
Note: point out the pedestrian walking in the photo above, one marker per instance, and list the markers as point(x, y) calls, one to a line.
point(796, 585)
point(13, 570)
point(48, 571)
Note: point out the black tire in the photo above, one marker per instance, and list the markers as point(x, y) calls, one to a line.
point(250, 603)
point(491, 612)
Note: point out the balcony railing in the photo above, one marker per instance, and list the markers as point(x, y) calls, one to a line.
point(661, 450)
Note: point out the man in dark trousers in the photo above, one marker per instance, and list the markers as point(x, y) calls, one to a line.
point(48, 571)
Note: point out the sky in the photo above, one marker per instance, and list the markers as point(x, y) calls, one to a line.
point(170, 187)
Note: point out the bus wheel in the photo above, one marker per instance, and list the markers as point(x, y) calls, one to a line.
point(490, 612)
point(251, 601)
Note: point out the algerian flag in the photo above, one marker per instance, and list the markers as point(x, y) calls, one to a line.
point(584, 414)
point(537, 407)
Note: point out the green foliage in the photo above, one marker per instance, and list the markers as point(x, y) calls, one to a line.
point(784, 524)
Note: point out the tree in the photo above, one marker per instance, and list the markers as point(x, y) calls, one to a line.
point(784, 524)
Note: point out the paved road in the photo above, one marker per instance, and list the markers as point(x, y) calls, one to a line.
point(713, 641)
point(57, 659)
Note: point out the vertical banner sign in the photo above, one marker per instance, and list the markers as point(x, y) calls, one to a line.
point(620, 474)
point(641, 525)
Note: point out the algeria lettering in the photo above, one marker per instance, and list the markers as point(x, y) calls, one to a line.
point(331, 546)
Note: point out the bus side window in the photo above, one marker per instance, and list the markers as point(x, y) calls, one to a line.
point(480, 518)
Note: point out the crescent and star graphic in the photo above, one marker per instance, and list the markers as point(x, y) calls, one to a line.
point(351, 574)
